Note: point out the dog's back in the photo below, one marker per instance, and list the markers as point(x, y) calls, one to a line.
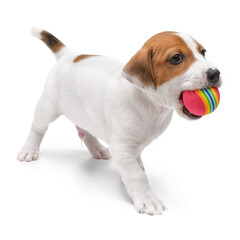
point(78, 84)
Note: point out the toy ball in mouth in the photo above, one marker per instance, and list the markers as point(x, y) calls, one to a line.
point(201, 102)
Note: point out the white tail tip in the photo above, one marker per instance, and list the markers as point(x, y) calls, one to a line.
point(36, 32)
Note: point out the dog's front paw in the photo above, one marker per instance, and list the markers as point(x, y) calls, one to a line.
point(27, 154)
point(148, 203)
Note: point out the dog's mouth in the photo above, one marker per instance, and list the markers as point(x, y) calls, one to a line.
point(185, 111)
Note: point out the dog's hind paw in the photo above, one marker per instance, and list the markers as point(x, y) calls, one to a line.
point(100, 152)
point(27, 154)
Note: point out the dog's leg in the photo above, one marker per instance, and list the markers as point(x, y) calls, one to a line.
point(97, 150)
point(135, 178)
point(45, 113)
point(140, 162)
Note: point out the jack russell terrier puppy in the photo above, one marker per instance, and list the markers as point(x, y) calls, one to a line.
point(126, 106)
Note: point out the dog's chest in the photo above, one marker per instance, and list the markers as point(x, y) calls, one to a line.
point(157, 125)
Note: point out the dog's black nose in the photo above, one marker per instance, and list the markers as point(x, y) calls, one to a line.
point(213, 75)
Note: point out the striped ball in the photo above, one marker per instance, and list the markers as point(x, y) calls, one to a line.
point(201, 101)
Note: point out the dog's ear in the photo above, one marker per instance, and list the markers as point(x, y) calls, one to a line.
point(139, 69)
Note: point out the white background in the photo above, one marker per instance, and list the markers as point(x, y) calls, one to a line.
point(193, 167)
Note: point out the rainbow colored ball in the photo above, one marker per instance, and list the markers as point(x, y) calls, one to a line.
point(201, 102)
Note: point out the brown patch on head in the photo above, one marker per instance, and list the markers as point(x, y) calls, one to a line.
point(151, 65)
point(200, 48)
point(81, 57)
point(51, 41)
point(140, 67)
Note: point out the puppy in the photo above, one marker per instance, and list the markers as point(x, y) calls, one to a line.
point(126, 106)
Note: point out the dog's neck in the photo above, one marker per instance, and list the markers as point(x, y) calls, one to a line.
point(153, 96)
point(149, 101)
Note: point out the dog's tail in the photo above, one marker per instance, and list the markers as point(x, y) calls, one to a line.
point(55, 45)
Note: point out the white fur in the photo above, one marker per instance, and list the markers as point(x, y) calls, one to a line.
point(191, 44)
point(35, 31)
point(94, 95)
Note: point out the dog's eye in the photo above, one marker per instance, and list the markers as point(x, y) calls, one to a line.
point(176, 59)
point(203, 51)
